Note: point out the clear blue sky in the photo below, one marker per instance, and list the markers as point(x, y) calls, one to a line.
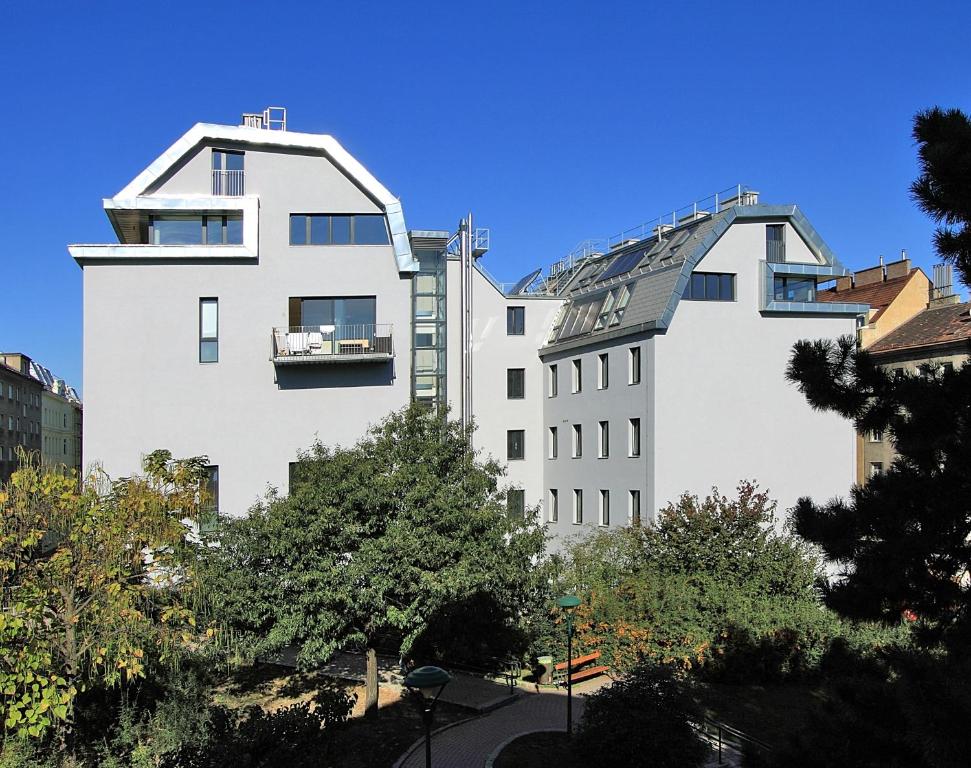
point(552, 122)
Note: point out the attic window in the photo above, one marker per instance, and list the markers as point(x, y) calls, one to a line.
point(621, 306)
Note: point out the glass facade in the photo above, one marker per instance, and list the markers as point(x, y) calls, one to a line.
point(428, 314)
point(794, 288)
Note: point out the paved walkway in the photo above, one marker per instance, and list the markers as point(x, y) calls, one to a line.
point(469, 744)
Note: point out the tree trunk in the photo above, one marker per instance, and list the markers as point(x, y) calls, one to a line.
point(371, 682)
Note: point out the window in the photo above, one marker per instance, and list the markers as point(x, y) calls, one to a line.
point(227, 172)
point(554, 511)
point(515, 321)
point(604, 443)
point(65, 446)
point(604, 507)
point(189, 229)
point(516, 503)
point(554, 443)
point(577, 441)
point(602, 371)
point(634, 366)
point(623, 299)
point(775, 243)
point(553, 385)
point(515, 383)
point(209, 508)
point(635, 437)
point(515, 438)
point(710, 286)
point(635, 507)
point(577, 506)
point(876, 436)
point(876, 468)
point(338, 229)
point(577, 376)
point(794, 288)
point(357, 311)
point(208, 330)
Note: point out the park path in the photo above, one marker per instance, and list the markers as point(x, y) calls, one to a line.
point(470, 744)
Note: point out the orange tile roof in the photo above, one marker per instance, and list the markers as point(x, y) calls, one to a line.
point(937, 325)
point(878, 295)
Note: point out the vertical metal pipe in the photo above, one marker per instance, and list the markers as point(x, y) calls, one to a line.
point(569, 675)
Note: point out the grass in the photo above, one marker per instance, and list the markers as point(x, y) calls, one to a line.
point(362, 742)
point(538, 750)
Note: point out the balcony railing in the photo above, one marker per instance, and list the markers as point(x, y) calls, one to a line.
point(228, 183)
point(306, 344)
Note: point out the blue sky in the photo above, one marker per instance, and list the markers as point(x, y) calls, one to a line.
point(552, 122)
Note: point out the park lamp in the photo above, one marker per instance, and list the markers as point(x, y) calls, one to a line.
point(568, 604)
point(429, 682)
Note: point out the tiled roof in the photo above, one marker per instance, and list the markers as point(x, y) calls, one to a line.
point(878, 295)
point(938, 325)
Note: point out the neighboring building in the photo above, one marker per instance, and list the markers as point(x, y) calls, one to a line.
point(20, 411)
point(60, 420)
point(266, 292)
point(937, 337)
point(896, 292)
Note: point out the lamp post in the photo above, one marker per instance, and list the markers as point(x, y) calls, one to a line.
point(568, 604)
point(429, 682)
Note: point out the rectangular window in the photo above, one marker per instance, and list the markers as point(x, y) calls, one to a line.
point(515, 440)
point(603, 373)
point(775, 243)
point(208, 330)
point(634, 366)
point(553, 385)
point(876, 468)
point(604, 507)
point(635, 437)
point(577, 376)
point(515, 321)
point(338, 229)
point(710, 286)
point(515, 383)
point(635, 508)
point(554, 511)
point(227, 173)
point(516, 503)
point(604, 440)
point(794, 288)
point(876, 436)
point(209, 508)
point(577, 506)
point(577, 441)
point(554, 443)
point(189, 229)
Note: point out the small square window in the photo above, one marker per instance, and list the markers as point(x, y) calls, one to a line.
point(876, 468)
point(515, 321)
point(876, 436)
point(515, 444)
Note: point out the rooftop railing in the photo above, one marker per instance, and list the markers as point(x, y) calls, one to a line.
point(332, 343)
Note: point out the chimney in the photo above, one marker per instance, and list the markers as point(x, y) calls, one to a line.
point(898, 268)
point(844, 283)
point(869, 276)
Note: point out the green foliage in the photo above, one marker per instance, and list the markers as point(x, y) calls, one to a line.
point(93, 578)
point(712, 586)
point(904, 539)
point(385, 539)
point(642, 719)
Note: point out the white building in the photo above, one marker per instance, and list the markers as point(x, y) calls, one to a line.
point(265, 292)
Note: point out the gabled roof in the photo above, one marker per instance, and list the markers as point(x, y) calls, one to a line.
point(322, 143)
point(878, 295)
point(935, 326)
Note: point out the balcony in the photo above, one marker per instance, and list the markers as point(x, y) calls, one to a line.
point(316, 344)
point(228, 183)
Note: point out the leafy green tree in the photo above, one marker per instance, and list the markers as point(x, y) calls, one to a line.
point(93, 576)
point(378, 542)
point(943, 189)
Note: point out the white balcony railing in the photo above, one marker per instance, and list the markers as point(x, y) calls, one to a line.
point(332, 343)
point(228, 183)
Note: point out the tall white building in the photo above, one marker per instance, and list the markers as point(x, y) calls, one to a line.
point(265, 292)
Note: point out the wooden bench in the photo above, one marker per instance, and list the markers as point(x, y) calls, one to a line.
point(560, 673)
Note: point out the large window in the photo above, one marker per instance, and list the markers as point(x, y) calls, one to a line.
point(515, 444)
point(516, 503)
point(710, 286)
point(189, 229)
point(337, 311)
point(208, 330)
point(515, 321)
point(794, 288)
point(338, 229)
point(515, 383)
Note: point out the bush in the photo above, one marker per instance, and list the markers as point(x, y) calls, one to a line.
point(644, 716)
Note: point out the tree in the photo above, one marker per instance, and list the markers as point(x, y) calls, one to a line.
point(94, 577)
point(903, 539)
point(378, 542)
point(943, 189)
